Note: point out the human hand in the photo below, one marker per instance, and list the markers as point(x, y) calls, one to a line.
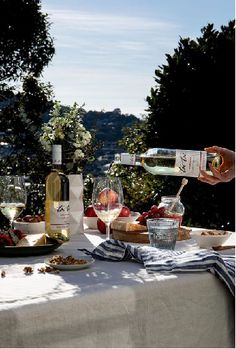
point(225, 173)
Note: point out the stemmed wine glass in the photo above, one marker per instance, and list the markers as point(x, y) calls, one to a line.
point(12, 196)
point(107, 200)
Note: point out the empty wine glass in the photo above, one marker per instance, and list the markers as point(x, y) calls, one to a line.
point(107, 200)
point(12, 196)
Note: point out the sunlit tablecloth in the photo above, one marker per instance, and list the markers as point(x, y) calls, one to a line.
point(111, 304)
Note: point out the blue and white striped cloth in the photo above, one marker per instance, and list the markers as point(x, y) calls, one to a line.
point(157, 260)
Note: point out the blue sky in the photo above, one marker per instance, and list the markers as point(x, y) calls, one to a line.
point(107, 50)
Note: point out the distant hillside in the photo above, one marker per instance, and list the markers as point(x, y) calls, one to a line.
point(107, 127)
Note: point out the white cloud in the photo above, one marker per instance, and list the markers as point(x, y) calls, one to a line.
point(84, 21)
point(106, 60)
point(102, 88)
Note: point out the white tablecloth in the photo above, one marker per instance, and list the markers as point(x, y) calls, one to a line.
point(111, 304)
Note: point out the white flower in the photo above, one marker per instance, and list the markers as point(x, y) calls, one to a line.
point(66, 127)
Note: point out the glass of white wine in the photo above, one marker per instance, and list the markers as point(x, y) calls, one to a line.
point(12, 196)
point(107, 200)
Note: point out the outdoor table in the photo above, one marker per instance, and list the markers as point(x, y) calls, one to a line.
point(111, 304)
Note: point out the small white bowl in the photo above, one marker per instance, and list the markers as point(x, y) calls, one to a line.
point(30, 228)
point(90, 222)
point(130, 219)
point(209, 241)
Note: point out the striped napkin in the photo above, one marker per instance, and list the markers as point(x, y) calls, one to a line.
point(157, 260)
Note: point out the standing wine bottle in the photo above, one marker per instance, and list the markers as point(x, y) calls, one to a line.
point(171, 162)
point(57, 207)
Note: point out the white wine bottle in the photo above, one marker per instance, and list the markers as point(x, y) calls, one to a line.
point(57, 208)
point(171, 162)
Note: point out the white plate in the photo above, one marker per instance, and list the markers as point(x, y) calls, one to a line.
point(209, 241)
point(89, 260)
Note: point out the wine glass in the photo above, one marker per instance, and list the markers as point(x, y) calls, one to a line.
point(107, 200)
point(12, 196)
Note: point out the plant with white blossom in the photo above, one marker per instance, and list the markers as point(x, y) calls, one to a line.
point(65, 127)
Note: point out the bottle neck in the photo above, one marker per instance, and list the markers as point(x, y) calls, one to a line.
point(56, 156)
point(127, 159)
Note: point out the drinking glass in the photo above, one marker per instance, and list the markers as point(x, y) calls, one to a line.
point(12, 196)
point(163, 232)
point(107, 200)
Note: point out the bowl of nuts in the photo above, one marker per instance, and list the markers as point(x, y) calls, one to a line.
point(30, 224)
point(208, 238)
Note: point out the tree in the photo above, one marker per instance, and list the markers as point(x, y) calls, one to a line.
point(194, 90)
point(191, 107)
point(25, 44)
point(25, 49)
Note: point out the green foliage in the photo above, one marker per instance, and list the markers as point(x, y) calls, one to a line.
point(88, 189)
point(20, 125)
point(140, 191)
point(25, 44)
point(191, 107)
point(25, 49)
point(20, 122)
point(134, 138)
point(65, 127)
point(193, 91)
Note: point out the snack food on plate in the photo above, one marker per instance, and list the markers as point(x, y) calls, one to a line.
point(69, 260)
point(31, 219)
point(11, 237)
point(183, 233)
point(33, 240)
point(214, 232)
point(127, 226)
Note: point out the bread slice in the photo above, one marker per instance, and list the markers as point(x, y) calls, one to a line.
point(127, 226)
point(33, 240)
point(131, 236)
point(183, 233)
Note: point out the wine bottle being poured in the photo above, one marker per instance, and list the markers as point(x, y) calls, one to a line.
point(171, 162)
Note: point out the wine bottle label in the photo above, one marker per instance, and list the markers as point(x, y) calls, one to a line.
point(60, 215)
point(189, 162)
point(56, 154)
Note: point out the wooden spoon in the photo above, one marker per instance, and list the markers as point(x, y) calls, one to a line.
point(183, 183)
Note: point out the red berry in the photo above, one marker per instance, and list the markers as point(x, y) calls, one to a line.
point(101, 226)
point(145, 214)
point(162, 211)
point(154, 209)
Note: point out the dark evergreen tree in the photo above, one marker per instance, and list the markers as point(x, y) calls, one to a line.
point(25, 49)
point(195, 92)
point(192, 106)
point(25, 44)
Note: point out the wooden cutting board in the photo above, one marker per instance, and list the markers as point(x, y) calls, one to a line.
point(131, 236)
point(142, 236)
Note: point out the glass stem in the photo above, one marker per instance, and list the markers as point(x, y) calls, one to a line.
point(108, 226)
point(11, 224)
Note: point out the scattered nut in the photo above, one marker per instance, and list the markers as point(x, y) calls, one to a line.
point(28, 270)
point(48, 269)
point(3, 274)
